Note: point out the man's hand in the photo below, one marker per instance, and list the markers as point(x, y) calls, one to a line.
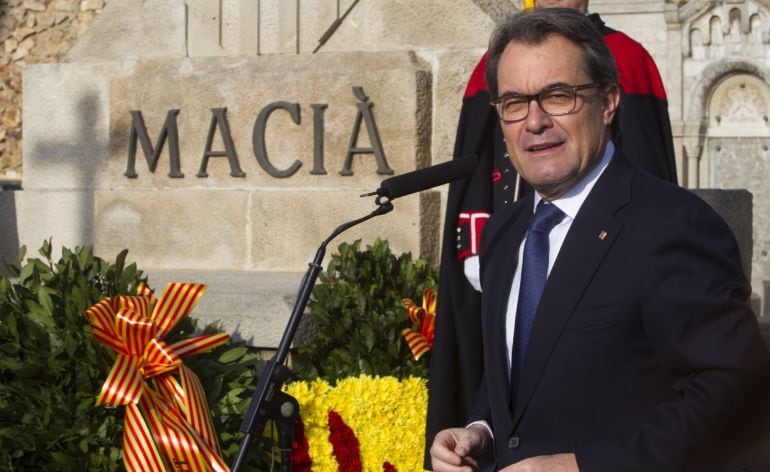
point(460, 449)
point(554, 463)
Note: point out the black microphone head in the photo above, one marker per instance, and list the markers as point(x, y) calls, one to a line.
point(429, 177)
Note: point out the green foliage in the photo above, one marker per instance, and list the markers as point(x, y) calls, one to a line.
point(358, 311)
point(51, 371)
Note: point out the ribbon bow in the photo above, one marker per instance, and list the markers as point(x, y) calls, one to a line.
point(421, 341)
point(168, 425)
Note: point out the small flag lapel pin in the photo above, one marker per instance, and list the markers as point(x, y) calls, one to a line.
point(602, 235)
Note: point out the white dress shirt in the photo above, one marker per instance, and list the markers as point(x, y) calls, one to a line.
point(570, 204)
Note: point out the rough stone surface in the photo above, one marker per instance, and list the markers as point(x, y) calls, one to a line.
point(32, 32)
point(451, 81)
point(742, 163)
point(252, 306)
point(286, 228)
point(182, 229)
point(398, 25)
point(65, 216)
point(137, 29)
point(66, 134)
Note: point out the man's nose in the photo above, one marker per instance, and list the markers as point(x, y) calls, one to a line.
point(537, 120)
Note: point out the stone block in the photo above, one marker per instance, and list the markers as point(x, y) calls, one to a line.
point(287, 228)
point(127, 29)
point(204, 23)
point(450, 83)
point(180, 229)
point(239, 34)
point(744, 162)
point(394, 84)
point(431, 216)
point(66, 133)
point(736, 208)
point(278, 27)
point(395, 25)
point(251, 306)
point(9, 233)
point(206, 223)
point(65, 216)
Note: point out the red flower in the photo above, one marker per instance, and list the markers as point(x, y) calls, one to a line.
point(300, 459)
point(345, 445)
point(388, 467)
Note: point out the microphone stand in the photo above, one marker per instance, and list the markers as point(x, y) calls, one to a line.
point(268, 401)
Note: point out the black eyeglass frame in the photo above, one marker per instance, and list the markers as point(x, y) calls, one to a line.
point(573, 89)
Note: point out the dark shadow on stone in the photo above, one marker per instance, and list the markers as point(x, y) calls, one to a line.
point(9, 231)
point(69, 154)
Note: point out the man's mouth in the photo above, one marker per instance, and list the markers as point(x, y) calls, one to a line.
point(542, 147)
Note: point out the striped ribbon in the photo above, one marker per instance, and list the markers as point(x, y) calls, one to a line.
point(420, 341)
point(168, 425)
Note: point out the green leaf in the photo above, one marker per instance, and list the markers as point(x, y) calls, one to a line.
point(44, 298)
point(86, 255)
point(26, 272)
point(63, 461)
point(40, 315)
point(45, 249)
point(233, 355)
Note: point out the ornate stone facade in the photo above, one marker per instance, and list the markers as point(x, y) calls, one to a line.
point(725, 104)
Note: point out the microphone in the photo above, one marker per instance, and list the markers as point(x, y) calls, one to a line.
point(429, 177)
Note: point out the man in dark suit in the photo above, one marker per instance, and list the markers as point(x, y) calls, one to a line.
point(644, 137)
point(617, 330)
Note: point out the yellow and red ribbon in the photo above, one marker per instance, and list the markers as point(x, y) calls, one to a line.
point(420, 341)
point(168, 426)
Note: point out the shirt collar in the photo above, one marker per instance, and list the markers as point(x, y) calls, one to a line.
point(573, 199)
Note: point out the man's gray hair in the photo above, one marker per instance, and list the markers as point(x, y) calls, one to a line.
point(534, 27)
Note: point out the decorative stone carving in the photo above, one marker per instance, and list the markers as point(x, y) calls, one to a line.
point(730, 27)
point(740, 106)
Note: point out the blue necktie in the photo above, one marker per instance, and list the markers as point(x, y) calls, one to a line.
point(534, 273)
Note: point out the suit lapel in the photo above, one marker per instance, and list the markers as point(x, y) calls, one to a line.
point(590, 237)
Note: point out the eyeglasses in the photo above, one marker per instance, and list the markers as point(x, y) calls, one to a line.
point(555, 101)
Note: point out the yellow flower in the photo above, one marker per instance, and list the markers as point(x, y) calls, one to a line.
point(386, 415)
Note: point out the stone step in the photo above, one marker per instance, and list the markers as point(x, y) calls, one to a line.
point(251, 306)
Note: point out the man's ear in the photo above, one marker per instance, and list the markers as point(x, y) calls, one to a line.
point(611, 103)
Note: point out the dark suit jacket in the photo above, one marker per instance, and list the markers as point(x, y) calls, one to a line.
point(644, 346)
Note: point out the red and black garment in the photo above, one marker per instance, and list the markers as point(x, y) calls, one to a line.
point(645, 137)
